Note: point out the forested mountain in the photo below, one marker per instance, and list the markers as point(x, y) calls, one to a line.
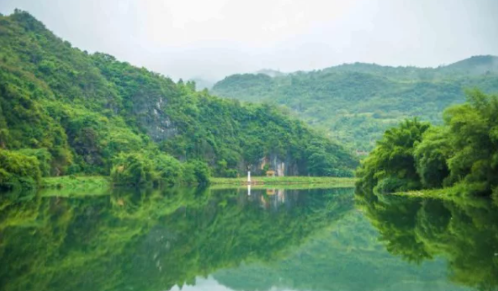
point(64, 111)
point(357, 102)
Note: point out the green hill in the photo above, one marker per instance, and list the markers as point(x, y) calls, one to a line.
point(357, 102)
point(65, 111)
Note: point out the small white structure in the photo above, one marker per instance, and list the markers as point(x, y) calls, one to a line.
point(249, 183)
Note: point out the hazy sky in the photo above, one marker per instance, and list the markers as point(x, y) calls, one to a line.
point(214, 38)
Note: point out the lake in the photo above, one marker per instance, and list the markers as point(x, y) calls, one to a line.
point(229, 239)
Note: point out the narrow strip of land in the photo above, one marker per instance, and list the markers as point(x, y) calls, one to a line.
point(100, 185)
point(290, 180)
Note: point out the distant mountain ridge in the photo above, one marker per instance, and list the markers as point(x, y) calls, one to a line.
point(473, 66)
point(356, 102)
point(476, 65)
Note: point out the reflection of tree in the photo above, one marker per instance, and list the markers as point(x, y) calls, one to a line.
point(335, 260)
point(150, 240)
point(463, 231)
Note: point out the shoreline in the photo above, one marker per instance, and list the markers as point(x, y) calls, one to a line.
point(104, 181)
point(99, 185)
point(290, 180)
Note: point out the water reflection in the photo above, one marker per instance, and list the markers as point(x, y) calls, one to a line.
point(225, 239)
point(463, 231)
point(346, 256)
point(152, 240)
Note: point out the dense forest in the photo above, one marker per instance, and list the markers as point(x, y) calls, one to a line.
point(356, 103)
point(462, 153)
point(65, 111)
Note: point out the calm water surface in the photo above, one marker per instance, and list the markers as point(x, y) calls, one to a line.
point(190, 239)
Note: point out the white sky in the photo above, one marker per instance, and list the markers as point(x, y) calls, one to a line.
point(215, 38)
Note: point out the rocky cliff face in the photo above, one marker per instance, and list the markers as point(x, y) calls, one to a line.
point(151, 116)
point(282, 167)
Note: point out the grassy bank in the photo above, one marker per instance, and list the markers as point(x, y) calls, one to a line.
point(279, 186)
point(287, 181)
point(74, 182)
point(75, 186)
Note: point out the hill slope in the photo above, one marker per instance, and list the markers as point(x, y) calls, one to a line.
point(80, 113)
point(357, 102)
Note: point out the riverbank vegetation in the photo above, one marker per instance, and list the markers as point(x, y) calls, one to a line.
point(462, 153)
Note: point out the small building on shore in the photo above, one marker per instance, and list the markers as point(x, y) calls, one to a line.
point(270, 173)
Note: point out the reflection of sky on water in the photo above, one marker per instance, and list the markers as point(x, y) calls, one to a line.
point(202, 284)
point(210, 284)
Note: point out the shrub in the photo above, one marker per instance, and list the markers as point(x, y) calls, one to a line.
point(18, 170)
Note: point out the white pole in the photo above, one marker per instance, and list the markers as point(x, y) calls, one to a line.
point(249, 177)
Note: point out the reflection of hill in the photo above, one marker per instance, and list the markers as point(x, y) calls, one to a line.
point(465, 232)
point(346, 257)
point(152, 240)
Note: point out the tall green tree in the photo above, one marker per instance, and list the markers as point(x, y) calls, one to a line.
point(431, 157)
point(473, 134)
point(391, 165)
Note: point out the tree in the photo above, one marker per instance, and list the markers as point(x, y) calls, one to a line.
point(391, 165)
point(431, 156)
point(473, 135)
